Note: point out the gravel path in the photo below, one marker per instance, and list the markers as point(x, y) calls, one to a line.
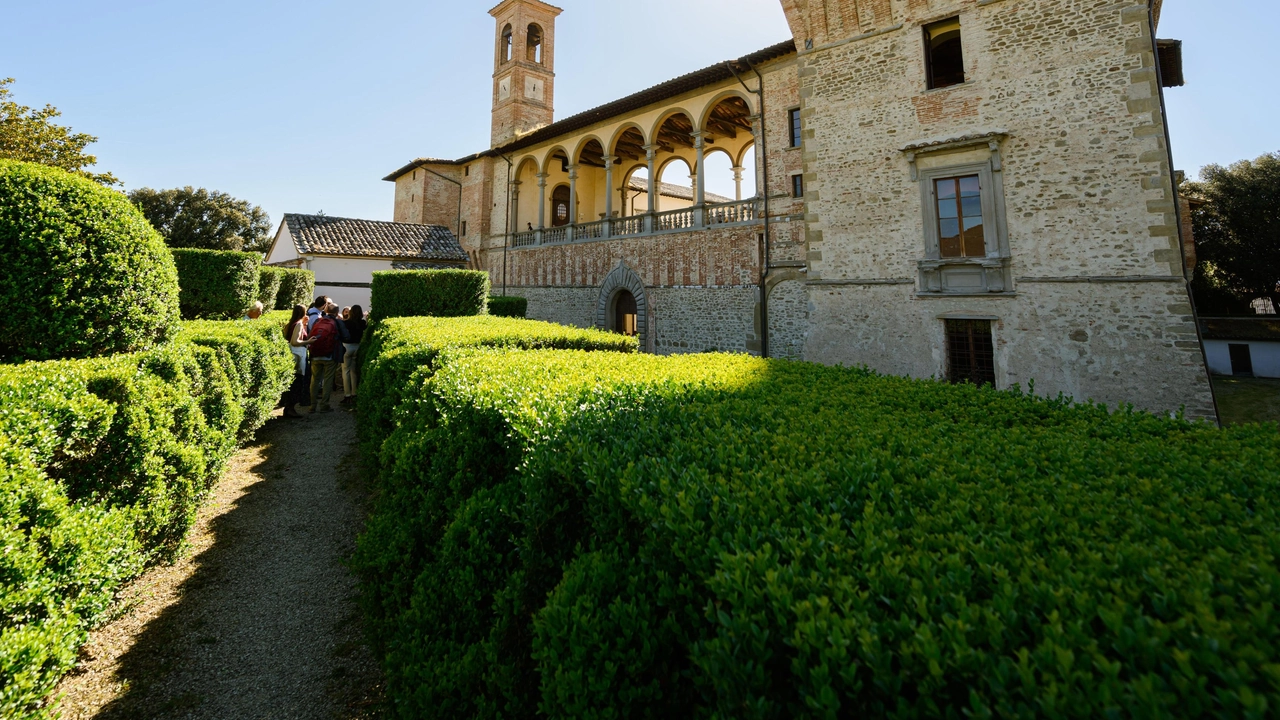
point(259, 619)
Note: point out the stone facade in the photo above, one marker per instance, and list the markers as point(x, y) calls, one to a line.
point(1059, 116)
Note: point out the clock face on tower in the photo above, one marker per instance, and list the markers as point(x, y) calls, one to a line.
point(504, 88)
point(534, 88)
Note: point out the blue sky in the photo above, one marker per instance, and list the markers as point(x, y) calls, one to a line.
point(305, 106)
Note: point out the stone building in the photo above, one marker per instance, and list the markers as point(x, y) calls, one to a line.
point(962, 189)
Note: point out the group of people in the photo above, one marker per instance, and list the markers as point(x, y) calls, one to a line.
point(323, 339)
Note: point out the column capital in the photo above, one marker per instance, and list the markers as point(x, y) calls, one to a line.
point(609, 161)
point(652, 150)
point(573, 172)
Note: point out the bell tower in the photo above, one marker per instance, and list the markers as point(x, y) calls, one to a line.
point(524, 64)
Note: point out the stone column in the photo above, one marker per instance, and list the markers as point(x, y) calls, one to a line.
point(699, 180)
point(737, 181)
point(515, 207)
point(542, 204)
point(651, 153)
point(608, 194)
point(573, 200)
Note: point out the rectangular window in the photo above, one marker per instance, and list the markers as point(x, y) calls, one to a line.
point(795, 127)
point(797, 186)
point(970, 352)
point(464, 228)
point(944, 55)
point(961, 233)
point(466, 171)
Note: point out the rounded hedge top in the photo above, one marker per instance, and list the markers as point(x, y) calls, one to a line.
point(84, 275)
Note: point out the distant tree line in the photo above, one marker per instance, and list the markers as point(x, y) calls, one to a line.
point(1236, 218)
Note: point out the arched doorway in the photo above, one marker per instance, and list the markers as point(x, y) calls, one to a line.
point(626, 315)
point(560, 206)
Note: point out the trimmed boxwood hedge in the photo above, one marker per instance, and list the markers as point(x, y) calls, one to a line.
point(297, 287)
point(216, 284)
point(508, 306)
point(269, 279)
point(604, 535)
point(103, 465)
point(84, 274)
point(434, 293)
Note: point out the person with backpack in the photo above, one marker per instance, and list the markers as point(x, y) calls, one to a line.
point(326, 337)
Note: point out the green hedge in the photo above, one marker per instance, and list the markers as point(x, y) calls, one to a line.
point(216, 284)
point(603, 535)
point(508, 306)
point(103, 465)
point(269, 279)
point(84, 274)
point(297, 287)
point(398, 355)
point(435, 293)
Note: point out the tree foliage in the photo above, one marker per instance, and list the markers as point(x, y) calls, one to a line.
point(202, 219)
point(1236, 217)
point(29, 135)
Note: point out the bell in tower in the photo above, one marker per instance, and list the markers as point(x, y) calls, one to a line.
point(523, 76)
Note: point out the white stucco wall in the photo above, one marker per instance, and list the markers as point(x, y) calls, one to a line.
point(1266, 357)
point(283, 249)
point(346, 271)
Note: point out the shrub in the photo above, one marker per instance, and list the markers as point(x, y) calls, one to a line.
point(84, 274)
point(399, 353)
point(216, 284)
point(508, 306)
point(103, 465)
point(435, 293)
point(607, 535)
point(269, 279)
point(297, 287)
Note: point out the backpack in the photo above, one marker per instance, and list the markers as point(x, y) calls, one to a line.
point(325, 332)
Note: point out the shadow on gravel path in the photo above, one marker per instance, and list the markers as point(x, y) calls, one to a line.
point(260, 621)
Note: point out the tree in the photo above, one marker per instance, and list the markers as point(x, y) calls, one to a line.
point(30, 136)
point(1237, 227)
point(205, 220)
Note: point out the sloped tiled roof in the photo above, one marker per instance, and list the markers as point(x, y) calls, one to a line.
point(1241, 328)
point(422, 266)
point(676, 191)
point(325, 235)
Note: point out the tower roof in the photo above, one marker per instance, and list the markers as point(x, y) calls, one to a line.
point(502, 6)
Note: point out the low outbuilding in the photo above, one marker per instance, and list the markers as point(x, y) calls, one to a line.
point(344, 253)
point(1242, 346)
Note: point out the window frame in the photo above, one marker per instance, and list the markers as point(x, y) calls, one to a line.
point(927, 39)
point(949, 349)
point(795, 128)
point(981, 276)
point(797, 186)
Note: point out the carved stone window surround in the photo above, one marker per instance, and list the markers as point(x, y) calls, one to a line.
point(947, 277)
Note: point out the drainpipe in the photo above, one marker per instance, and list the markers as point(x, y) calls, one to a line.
point(458, 227)
point(1177, 207)
point(506, 225)
point(764, 159)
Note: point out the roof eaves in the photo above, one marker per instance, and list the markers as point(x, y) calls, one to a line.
point(663, 91)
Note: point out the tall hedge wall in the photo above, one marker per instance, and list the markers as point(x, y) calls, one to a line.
point(103, 465)
point(297, 287)
point(508, 306)
point(216, 284)
point(577, 534)
point(84, 274)
point(435, 293)
point(269, 279)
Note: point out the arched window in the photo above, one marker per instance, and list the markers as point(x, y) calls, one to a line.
point(508, 42)
point(625, 314)
point(533, 46)
point(560, 206)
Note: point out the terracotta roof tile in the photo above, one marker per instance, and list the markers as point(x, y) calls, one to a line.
point(325, 235)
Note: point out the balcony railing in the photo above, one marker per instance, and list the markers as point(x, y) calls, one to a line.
point(731, 212)
point(691, 218)
point(675, 219)
point(589, 231)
